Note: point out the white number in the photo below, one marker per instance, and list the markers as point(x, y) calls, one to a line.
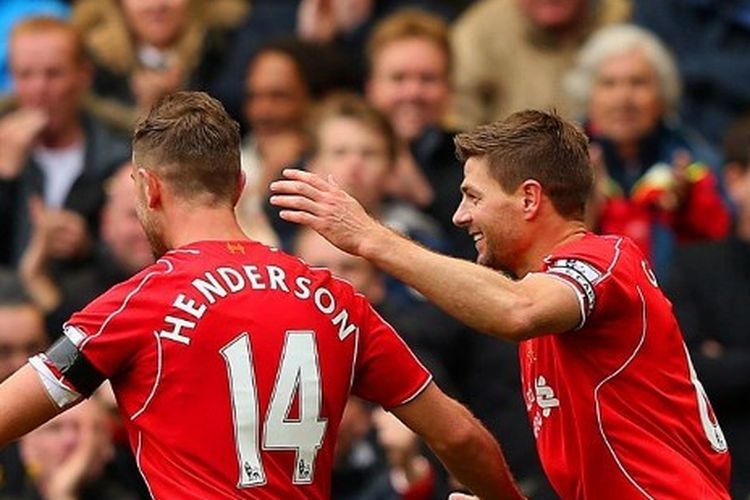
point(710, 425)
point(299, 374)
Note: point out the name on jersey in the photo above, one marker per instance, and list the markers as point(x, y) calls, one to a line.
point(225, 281)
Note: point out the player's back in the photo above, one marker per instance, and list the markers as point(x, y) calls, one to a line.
point(241, 360)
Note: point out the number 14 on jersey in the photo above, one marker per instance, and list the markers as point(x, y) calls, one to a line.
point(298, 375)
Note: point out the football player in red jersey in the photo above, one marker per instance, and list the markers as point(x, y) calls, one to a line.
point(611, 394)
point(231, 361)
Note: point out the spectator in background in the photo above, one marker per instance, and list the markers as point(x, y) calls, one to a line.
point(654, 177)
point(409, 81)
point(66, 458)
point(22, 332)
point(145, 49)
point(121, 251)
point(277, 102)
point(356, 144)
point(710, 40)
point(52, 149)
point(11, 12)
point(512, 54)
point(341, 27)
point(710, 289)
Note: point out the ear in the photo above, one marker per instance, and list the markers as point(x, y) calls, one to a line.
point(531, 193)
point(241, 182)
point(152, 186)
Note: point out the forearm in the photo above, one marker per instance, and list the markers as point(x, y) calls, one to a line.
point(479, 297)
point(471, 460)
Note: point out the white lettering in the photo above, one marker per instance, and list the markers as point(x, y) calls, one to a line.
point(254, 277)
point(232, 278)
point(303, 287)
point(325, 309)
point(189, 306)
point(209, 289)
point(177, 325)
point(277, 277)
point(345, 329)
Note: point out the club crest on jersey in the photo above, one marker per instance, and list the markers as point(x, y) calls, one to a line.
point(544, 397)
point(235, 248)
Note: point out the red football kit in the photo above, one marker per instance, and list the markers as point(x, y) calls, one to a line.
point(615, 405)
point(232, 363)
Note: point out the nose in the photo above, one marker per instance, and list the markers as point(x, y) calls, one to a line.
point(461, 217)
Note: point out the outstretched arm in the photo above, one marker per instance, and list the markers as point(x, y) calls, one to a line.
point(465, 447)
point(24, 404)
point(480, 297)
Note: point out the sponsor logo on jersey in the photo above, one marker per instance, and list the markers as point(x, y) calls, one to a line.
point(543, 395)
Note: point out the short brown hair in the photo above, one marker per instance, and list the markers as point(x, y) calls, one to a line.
point(46, 24)
point(354, 107)
point(190, 140)
point(405, 24)
point(535, 145)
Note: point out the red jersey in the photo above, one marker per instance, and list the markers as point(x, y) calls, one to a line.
point(615, 405)
point(232, 363)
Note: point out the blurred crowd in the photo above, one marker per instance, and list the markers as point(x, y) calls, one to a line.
point(372, 92)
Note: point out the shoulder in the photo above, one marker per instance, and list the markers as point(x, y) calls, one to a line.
point(138, 292)
point(602, 253)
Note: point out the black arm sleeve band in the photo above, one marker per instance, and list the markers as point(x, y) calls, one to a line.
point(74, 366)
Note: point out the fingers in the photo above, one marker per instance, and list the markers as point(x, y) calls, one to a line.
point(313, 180)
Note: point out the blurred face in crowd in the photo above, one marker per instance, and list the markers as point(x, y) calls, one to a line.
point(357, 157)
point(626, 102)
point(120, 228)
point(737, 181)
point(490, 216)
point(22, 334)
point(47, 448)
point(49, 75)
point(553, 14)
point(317, 251)
point(156, 22)
point(277, 96)
point(409, 83)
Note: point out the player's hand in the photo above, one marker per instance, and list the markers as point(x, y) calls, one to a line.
point(307, 199)
point(18, 133)
point(462, 496)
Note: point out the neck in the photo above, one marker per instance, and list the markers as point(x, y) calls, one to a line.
point(189, 224)
point(63, 139)
point(558, 233)
point(628, 151)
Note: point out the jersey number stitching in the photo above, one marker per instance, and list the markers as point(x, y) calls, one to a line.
point(298, 374)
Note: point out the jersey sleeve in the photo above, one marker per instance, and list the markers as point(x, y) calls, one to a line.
point(386, 372)
point(596, 274)
point(99, 341)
